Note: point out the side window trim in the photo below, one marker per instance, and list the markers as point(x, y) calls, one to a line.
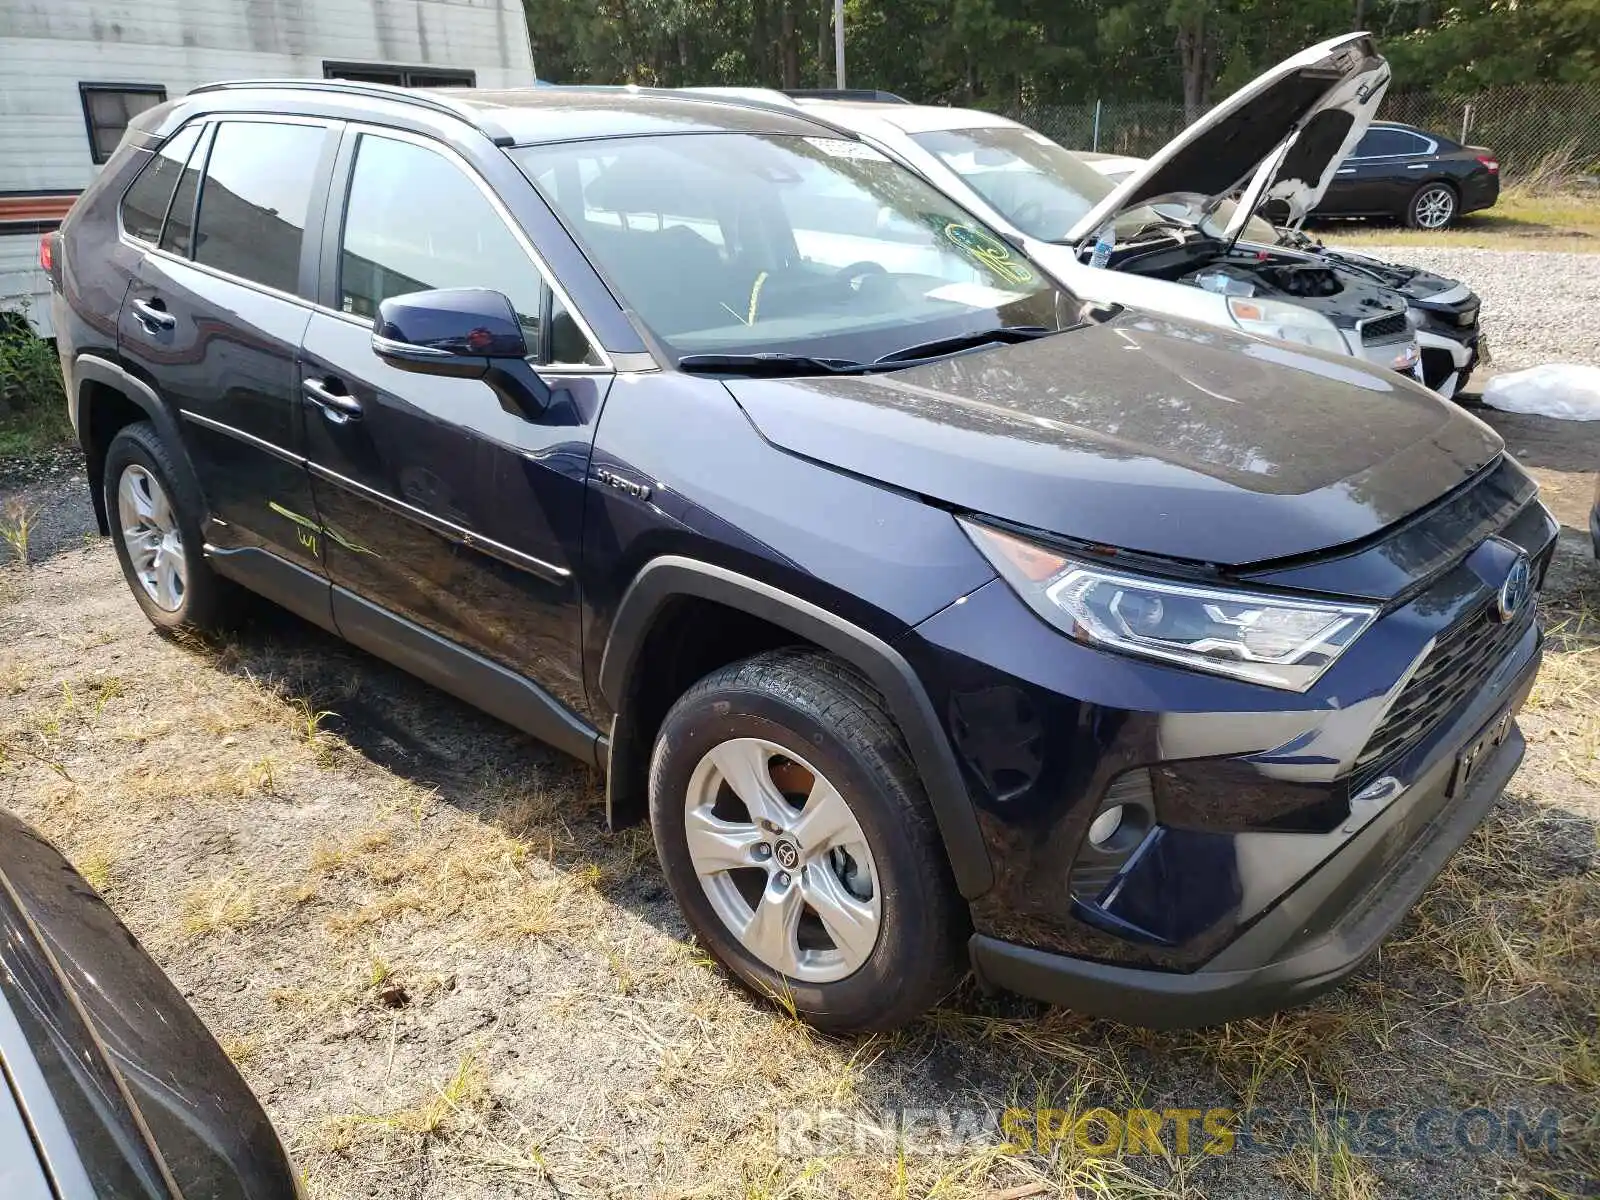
point(327, 298)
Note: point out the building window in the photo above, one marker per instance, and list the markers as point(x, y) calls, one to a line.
point(107, 109)
point(412, 77)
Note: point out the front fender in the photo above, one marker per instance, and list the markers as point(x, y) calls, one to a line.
point(672, 577)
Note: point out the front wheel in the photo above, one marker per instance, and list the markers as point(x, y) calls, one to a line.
point(796, 836)
point(1433, 207)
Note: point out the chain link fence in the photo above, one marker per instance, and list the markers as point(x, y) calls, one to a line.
point(1534, 128)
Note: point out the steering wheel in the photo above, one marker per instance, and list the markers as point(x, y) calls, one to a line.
point(857, 273)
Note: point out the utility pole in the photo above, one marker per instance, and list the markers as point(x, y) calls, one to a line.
point(838, 43)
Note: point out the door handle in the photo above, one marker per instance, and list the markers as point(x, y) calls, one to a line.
point(1416, 166)
point(336, 406)
point(1347, 170)
point(154, 319)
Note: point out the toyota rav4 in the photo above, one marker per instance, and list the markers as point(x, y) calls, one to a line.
point(935, 619)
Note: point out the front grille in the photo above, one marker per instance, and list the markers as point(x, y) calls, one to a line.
point(1385, 329)
point(1461, 659)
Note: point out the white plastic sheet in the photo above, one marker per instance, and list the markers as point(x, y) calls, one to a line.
point(1566, 391)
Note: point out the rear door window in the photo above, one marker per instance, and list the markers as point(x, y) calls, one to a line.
point(252, 215)
point(178, 236)
point(144, 207)
point(1389, 143)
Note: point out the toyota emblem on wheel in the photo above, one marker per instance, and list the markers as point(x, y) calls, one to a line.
point(786, 854)
point(1514, 591)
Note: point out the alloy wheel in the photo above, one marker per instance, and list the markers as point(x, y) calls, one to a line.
point(150, 532)
point(1435, 207)
point(783, 860)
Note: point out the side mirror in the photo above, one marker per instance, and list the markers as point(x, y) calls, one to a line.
point(461, 333)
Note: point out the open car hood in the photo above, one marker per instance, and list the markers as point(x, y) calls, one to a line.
point(1283, 134)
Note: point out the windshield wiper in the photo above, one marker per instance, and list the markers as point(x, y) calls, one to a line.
point(1003, 335)
point(769, 363)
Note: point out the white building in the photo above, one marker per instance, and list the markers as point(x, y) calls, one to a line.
point(72, 73)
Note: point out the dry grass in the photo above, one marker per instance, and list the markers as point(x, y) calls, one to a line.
point(448, 980)
point(222, 905)
point(1522, 220)
point(16, 529)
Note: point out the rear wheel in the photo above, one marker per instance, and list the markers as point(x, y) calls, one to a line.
point(796, 836)
point(153, 511)
point(1432, 207)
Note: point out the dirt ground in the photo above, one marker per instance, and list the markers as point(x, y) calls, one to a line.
point(443, 977)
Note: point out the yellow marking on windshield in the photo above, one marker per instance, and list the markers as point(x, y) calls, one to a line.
point(755, 297)
point(988, 250)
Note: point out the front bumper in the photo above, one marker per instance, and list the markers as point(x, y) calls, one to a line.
point(1402, 354)
point(1264, 827)
point(1297, 950)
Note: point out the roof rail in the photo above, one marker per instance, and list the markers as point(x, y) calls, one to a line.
point(871, 95)
point(415, 97)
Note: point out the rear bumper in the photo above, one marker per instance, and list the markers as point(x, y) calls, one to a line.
point(1296, 950)
point(1480, 192)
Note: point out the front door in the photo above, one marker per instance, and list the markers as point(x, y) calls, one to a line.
point(436, 502)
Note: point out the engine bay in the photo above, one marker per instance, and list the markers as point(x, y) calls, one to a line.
point(1343, 295)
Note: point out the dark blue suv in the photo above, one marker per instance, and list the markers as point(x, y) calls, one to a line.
point(934, 617)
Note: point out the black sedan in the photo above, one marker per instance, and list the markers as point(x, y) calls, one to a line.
point(110, 1086)
point(1408, 174)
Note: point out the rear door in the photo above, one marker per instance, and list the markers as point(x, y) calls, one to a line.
point(438, 504)
point(1380, 176)
point(215, 318)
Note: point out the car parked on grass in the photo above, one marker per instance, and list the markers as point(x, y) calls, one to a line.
point(1443, 312)
point(932, 616)
point(111, 1088)
point(1168, 239)
point(1408, 174)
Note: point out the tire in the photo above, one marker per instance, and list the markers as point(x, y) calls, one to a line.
point(176, 587)
point(1433, 206)
point(806, 717)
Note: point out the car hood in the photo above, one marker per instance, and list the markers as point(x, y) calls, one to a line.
point(1285, 132)
point(1145, 434)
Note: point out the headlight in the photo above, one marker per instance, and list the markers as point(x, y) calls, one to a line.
point(1274, 640)
point(1287, 322)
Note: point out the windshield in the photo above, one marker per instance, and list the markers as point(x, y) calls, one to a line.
point(735, 243)
point(1044, 190)
point(1036, 185)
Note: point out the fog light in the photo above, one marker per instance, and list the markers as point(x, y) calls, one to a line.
point(1105, 826)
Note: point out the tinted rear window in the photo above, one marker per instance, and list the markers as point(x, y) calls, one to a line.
point(1382, 143)
point(145, 205)
point(253, 203)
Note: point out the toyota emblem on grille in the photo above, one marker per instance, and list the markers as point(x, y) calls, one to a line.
point(1514, 591)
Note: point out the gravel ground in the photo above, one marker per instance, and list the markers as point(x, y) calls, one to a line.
point(1537, 308)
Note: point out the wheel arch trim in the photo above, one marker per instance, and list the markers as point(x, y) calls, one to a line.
point(91, 368)
point(673, 577)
